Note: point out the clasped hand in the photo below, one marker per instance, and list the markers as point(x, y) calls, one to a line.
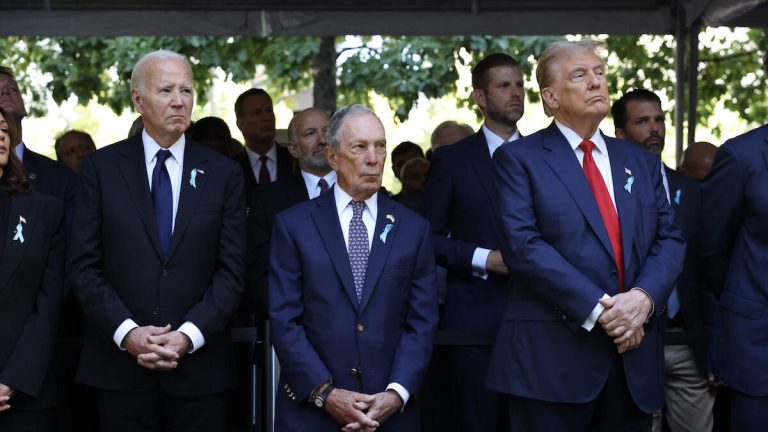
point(359, 411)
point(157, 348)
point(5, 397)
point(623, 318)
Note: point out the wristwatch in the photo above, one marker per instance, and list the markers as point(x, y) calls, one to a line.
point(319, 399)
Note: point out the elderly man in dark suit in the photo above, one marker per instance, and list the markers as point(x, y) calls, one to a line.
point(158, 264)
point(353, 298)
point(588, 236)
point(458, 202)
point(638, 117)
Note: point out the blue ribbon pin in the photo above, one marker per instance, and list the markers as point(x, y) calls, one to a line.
point(386, 231)
point(678, 193)
point(19, 237)
point(192, 177)
point(628, 184)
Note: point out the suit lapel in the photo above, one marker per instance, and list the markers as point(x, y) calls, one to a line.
point(625, 204)
point(480, 160)
point(326, 220)
point(189, 195)
point(563, 161)
point(379, 248)
point(19, 206)
point(134, 170)
point(765, 152)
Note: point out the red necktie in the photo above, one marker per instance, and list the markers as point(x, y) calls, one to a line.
point(604, 203)
point(264, 177)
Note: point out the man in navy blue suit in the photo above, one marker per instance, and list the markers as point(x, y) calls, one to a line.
point(735, 236)
point(353, 297)
point(638, 117)
point(458, 202)
point(157, 261)
point(588, 236)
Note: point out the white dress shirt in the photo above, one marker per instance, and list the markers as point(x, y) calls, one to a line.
point(20, 151)
point(480, 256)
point(311, 182)
point(345, 212)
point(255, 160)
point(174, 165)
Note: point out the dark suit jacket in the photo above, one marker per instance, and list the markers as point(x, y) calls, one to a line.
point(320, 331)
point(264, 204)
point(31, 291)
point(51, 178)
point(696, 302)
point(735, 244)
point(285, 167)
point(458, 202)
point(556, 245)
point(119, 271)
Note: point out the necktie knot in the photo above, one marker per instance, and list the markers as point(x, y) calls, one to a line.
point(323, 185)
point(587, 146)
point(263, 159)
point(162, 155)
point(357, 208)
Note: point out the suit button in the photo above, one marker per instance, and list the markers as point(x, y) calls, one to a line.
point(614, 274)
point(165, 272)
point(354, 372)
point(563, 317)
point(156, 311)
point(360, 327)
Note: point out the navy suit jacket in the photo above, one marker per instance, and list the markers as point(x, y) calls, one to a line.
point(557, 248)
point(458, 202)
point(31, 292)
point(51, 178)
point(696, 302)
point(285, 167)
point(264, 204)
point(735, 236)
point(119, 271)
point(319, 330)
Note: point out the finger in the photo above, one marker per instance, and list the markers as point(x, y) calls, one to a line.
point(149, 357)
point(164, 352)
point(362, 406)
point(351, 427)
point(362, 397)
point(5, 407)
point(161, 365)
point(607, 302)
point(158, 330)
point(158, 339)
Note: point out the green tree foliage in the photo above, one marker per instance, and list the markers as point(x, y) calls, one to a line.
point(398, 68)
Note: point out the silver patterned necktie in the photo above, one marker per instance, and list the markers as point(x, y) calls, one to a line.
point(358, 247)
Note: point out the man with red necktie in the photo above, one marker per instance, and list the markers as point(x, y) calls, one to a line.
point(588, 237)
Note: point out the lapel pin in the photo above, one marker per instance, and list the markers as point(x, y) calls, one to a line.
point(627, 171)
point(385, 232)
point(391, 218)
point(678, 194)
point(32, 175)
point(628, 184)
point(19, 237)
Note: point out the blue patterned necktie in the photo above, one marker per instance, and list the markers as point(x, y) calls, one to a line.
point(358, 247)
point(162, 198)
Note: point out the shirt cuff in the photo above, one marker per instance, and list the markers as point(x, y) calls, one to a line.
point(479, 260)
point(404, 394)
point(653, 306)
point(122, 331)
point(589, 323)
point(194, 335)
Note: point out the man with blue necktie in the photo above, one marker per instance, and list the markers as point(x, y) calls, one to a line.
point(157, 262)
point(588, 237)
point(638, 117)
point(353, 297)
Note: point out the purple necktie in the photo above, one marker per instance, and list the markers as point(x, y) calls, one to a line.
point(358, 247)
point(323, 185)
point(264, 177)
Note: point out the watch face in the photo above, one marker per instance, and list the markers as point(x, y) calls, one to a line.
point(319, 401)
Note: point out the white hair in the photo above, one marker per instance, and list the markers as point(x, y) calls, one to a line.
point(138, 75)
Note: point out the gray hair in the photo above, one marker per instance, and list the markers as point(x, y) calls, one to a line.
point(138, 74)
point(338, 119)
point(554, 53)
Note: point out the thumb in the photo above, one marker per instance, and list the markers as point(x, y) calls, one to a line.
point(159, 330)
point(608, 302)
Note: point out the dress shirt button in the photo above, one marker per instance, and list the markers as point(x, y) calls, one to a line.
point(360, 327)
point(156, 311)
point(614, 274)
point(165, 272)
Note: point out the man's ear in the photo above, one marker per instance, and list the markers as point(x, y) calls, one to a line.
point(548, 96)
point(137, 102)
point(330, 154)
point(619, 133)
point(292, 149)
point(479, 96)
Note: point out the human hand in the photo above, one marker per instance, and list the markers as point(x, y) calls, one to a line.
point(383, 406)
point(168, 348)
point(348, 408)
point(624, 316)
point(5, 397)
point(137, 343)
point(495, 264)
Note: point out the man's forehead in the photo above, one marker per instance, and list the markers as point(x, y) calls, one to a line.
point(363, 127)
point(313, 119)
point(637, 108)
point(5, 79)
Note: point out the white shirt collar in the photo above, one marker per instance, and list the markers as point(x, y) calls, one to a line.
point(494, 141)
point(151, 148)
point(575, 140)
point(311, 180)
point(20, 151)
point(254, 157)
point(343, 199)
